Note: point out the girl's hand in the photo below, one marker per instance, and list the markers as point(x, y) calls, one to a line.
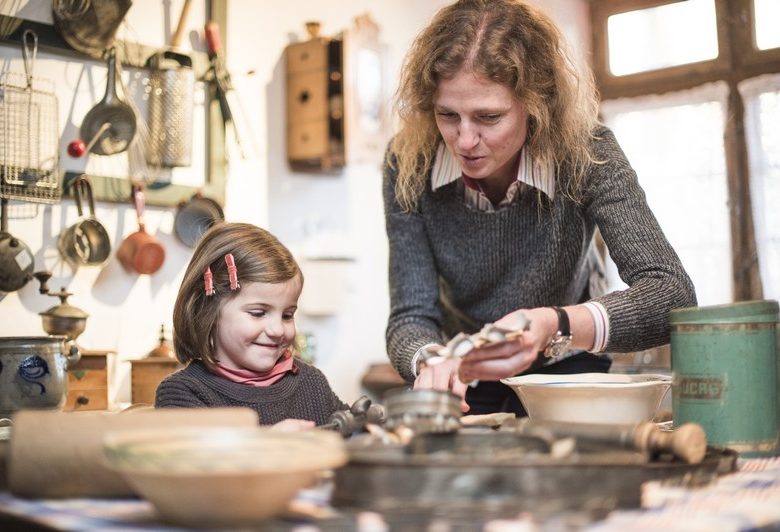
point(443, 376)
point(498, 361)
point(293, 425)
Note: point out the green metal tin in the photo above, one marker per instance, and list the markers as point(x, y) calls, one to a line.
point(726, 374)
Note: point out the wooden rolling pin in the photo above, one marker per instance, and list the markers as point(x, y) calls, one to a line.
point(687, 442)
point(60, 454)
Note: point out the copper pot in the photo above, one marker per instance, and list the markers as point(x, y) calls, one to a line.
point(141, 252)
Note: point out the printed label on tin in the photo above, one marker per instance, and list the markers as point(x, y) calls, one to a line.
point(704, 388)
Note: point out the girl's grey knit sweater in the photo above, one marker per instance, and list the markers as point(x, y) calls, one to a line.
point(305, 395)
point(454, 268)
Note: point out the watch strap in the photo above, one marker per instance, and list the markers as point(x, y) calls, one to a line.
point(564, 329)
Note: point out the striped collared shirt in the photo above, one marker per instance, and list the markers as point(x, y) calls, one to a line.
point(446, 170)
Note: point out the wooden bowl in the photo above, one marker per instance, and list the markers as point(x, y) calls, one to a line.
point(591, 397)
point(222, 477)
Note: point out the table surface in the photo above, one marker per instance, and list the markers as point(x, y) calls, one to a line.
point(748, 499)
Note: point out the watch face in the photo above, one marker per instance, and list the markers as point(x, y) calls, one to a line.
point(558, 346)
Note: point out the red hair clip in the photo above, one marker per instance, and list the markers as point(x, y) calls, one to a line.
point(208, 281)
point(232, 271)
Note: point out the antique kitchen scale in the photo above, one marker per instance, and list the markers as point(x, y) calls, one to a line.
point(416, 460)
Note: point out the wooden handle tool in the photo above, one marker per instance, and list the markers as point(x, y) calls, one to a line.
point(687, 442)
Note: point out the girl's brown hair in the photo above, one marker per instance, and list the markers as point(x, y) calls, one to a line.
point(259, 257)
point(511, 43)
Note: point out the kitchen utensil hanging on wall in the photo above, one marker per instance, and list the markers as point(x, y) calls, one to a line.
point(113, 111)
point(195, 217)
point(16, 259)
point(141, 252)
point(229, 104)
point(86, 242)
point(171, 96)
point(29, 132)
point(89, 26)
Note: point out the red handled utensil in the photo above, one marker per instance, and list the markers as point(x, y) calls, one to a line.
point(77, 148)
point(221, 77)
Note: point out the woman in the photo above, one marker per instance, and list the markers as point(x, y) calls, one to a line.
point(494, 187)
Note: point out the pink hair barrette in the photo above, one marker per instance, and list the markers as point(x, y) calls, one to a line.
point(208, 281)
point(232, 271)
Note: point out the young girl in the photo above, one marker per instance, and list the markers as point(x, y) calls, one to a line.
point(234, 328)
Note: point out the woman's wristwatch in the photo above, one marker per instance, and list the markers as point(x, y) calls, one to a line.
point(561, 341)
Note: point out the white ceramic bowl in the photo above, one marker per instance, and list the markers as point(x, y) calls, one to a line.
point(591, 397)
point(221, 477)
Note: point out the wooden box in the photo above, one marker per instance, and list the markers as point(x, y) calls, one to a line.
point(315, 105)
point(88, 382)
point(146, 374)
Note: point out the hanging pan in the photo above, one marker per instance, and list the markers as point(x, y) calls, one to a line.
point(85, 242)
point(89, 26)
point(113, 111)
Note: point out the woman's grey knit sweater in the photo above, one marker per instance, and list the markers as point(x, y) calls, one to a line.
point(305, 395)
point(454, 268)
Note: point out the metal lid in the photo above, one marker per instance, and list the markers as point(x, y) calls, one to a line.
point(64, 310)
point(762, 311)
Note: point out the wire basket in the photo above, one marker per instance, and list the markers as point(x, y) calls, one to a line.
point(29, 134)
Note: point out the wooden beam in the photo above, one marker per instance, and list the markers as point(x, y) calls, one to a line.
point(735, 34)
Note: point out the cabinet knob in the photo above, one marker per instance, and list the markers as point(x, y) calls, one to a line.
point(82, 400)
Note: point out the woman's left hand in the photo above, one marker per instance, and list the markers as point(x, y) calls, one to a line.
point(498, 361)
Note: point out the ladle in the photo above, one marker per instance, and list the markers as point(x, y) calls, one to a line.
point(113, 111)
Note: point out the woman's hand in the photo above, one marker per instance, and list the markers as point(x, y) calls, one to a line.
point(498, 361)
point(443, 376)
point(292, 425)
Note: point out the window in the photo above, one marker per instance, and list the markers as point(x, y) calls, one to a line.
point(686, 185)
point(766, 17)
point(681, 114)
point(762, 109)
point(660, 37)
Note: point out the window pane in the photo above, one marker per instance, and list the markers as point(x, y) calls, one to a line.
point(762, 105)
point(767, 13)
point(677, 151)
point(664, 36)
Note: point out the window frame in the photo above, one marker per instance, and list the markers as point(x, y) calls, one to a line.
point(738, 59)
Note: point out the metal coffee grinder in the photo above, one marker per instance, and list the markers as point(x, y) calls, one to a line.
point(63, 319)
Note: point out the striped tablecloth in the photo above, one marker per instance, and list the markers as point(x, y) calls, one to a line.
point(748, 499)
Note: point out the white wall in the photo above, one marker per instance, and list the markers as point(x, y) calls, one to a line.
point(126, 310)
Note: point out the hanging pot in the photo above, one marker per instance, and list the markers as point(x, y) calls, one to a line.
point(89, 27)
point(86, 242)
point(195, 217)
point(141, 252)
point(16, 259)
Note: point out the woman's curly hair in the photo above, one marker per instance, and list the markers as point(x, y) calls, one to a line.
point(511, 43)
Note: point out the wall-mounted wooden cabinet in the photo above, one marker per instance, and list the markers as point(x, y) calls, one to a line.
point(315, 104)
